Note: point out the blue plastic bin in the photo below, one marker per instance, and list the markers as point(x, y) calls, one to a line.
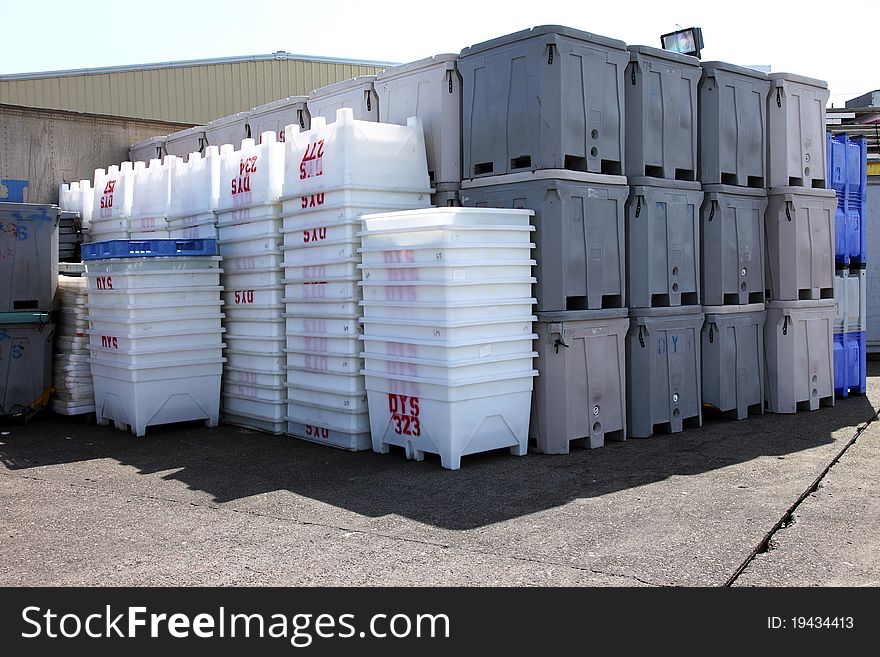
point(847, 176)
point(149, 248)
point(849, 364)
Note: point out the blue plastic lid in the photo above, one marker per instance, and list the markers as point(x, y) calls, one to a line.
point(155, 248)
point(24, 318)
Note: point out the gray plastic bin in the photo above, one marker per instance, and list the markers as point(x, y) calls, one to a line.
point(733, 126)
point(798, 344)
point(663, 243)
point(851, 295)
point(663, 369)
point(580, 393)
point(184, 142)
point(357, 93)
point(732, 353)
point(229, 130)
point(25, 362)
point(732, 245)
point(446, 195)
point(661, 113)
point(148, 149)
point(431, 90)
point(579, 235)
point(546, 98)
point(279, 114)
point(28, 256)
point(796, 131)
point(799, 226)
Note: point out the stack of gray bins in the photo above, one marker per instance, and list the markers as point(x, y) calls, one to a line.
point(733, 172)
point(543, 129)
point(799, 224)
point(431, 90)
point(28, 283)
point(662, 242)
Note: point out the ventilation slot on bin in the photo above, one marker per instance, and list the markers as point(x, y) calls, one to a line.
point(482, 168)
point(611, 168)
point(684, 174)
point(756, 181)
point(27, 304)
point(521, 162)
point(575, 163)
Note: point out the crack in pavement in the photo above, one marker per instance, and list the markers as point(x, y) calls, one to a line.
point(339, 528)
point(788, 517)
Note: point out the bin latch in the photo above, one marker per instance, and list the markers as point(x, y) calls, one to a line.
point(247, 129)
point(641, 338)
point(633, 75)
point(450, 81)
point(712, 209)
point(369, 101)
point(788, 205)
point(638, 206)
point(560, 342)
point(302, 120)
point(550, 47)
point(778, 97)
point(711, 333)
point(785, 325)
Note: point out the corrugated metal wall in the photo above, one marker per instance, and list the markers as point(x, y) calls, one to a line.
point(184, 94)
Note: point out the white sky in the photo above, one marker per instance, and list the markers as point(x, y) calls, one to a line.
point(833, 42)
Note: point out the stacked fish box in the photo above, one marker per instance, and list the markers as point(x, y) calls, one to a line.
point(357, 94)
point(431, 90)
point(277, 115)
point(663, 384)
point(448, 330)
point(249, 218)
point(800, 254)
point(195, 190)
point(151, 198)
point(733, 171)
point(335, 173)
point(75, 200)
point(72, 380)
point(543, 129)
point(155, 335)
point(847, 176)
point(112, 198)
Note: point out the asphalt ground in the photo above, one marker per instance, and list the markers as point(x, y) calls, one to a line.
point(772, 500)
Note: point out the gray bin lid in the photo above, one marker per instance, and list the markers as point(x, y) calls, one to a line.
point(185, 133)
point(147, 142)
point(734, 309)
point(448, 59)
point(223, 120)
point(778, 79)
point(582, 315)
point(806, 304)
point(278, 104)
point(646, 181)
point(667, 311)
point(802, 191)
point(733, 190)
point(24, 318)
point(709, 68)
point(658, 53)
point(33, 208)
point(345, 85)
point(547, 174)
point(542, 30)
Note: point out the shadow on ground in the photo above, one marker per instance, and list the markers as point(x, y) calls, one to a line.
point(231, 463)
